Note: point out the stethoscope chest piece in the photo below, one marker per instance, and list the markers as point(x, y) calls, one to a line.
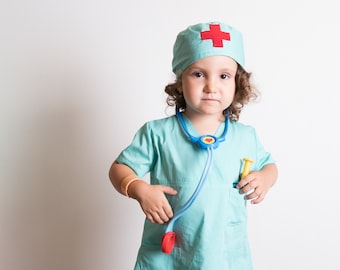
point(168, 242)
point(208, 141)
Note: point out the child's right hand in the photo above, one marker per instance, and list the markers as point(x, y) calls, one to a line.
point(153, 201)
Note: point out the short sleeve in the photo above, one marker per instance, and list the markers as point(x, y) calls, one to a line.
point(262, 156)
point(140, 154)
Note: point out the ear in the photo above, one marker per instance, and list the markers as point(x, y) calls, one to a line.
point(180, 87)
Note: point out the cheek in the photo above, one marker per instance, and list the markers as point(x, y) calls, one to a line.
point(190, 89)
point(188, 96)
point(229, 96)
point(230, 90)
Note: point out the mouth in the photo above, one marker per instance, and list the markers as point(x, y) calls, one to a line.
point(210, 99)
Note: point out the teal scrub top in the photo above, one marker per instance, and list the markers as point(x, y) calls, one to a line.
point(212, 233)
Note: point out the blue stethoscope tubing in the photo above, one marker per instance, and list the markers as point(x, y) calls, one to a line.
point(193, 197)
point(200, 141)
point(206, 142)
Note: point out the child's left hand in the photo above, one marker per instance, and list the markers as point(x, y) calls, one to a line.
point(257, 183)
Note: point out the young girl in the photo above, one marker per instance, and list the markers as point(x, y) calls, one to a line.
point(195, 204)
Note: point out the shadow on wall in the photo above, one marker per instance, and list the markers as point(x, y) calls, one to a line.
point(56, 183)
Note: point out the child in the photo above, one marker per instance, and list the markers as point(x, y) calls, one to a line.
point(195, 204)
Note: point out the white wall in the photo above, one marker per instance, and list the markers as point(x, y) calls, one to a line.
point(77, 78)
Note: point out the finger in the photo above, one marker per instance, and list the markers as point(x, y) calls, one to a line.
point(248, 187)
point(157, 219)
point(245, 181)
point(163, 216)
point(251, 195)
point(169, 190)
point(241, 184)
point(157, 216)
point(168, 212)
point(259, 198)
point(150, 218)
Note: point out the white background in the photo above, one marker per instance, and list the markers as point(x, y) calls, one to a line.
point(78, 78)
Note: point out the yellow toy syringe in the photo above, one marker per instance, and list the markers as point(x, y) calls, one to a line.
point(246, 167)
point(246, 170)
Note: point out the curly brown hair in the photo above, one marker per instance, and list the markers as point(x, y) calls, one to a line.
point(245, 92)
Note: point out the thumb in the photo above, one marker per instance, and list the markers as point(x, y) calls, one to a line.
point(169, 190)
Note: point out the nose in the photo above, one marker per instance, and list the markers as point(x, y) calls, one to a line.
point(210, 86)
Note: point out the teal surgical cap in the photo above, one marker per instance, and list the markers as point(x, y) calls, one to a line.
point(203, 40)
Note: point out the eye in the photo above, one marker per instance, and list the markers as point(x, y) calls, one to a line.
point(198, 74)
point(225, 76)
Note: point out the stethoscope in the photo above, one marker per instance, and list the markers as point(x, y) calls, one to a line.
point(205, 142)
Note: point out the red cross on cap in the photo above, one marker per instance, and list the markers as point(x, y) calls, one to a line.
point(216, 35)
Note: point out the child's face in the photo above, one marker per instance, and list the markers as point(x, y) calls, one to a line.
point(208, 85)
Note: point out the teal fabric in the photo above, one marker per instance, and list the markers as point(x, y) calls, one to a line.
point(190, 47)
point(212, 233)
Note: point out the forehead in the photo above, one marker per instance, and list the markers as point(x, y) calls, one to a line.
point(215, 62)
